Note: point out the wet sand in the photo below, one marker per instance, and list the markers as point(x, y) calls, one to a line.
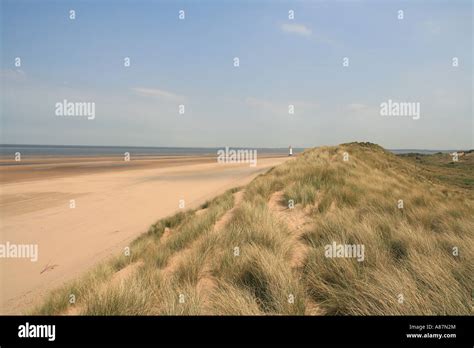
point(115, 201)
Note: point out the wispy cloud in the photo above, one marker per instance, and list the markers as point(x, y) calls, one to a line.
point(306, 105)
point(303, 30)
point(300, 106)
point(298, 29)
point(430, 27)
point(361, 111)
point(158, 93)
point(263, 104)
point(357, 107)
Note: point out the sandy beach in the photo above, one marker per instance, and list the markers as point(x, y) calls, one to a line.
point(115, 201)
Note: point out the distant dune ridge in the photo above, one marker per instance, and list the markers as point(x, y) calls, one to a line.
point(260, 249)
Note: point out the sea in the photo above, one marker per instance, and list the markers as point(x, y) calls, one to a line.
point(79, 150)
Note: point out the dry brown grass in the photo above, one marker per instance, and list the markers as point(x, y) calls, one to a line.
point(263, 258)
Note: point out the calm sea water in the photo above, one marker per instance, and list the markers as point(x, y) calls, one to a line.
point(66, 150)
point(424, 152)
point(50, 150)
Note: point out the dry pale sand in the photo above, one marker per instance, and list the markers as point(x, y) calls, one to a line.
point(115, 202)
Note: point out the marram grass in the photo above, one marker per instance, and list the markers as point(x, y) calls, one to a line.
point(416, 224)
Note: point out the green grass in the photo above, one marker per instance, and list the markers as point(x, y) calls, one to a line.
point(442, 168)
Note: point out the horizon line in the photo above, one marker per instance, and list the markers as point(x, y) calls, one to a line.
point(218, 147)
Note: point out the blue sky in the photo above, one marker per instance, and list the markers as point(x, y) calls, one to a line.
point(282, 62)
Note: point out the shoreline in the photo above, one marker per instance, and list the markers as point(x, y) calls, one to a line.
point(41, 167)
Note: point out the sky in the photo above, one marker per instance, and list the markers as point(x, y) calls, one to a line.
point(282, 62)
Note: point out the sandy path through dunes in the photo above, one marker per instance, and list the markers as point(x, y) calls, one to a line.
point(112, 208)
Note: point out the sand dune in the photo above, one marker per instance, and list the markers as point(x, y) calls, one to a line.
point(344, 247)
point(113, 206)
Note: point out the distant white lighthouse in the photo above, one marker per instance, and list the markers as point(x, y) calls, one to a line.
point(290, 149)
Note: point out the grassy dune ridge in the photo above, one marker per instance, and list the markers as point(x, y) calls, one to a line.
point(246, 252)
